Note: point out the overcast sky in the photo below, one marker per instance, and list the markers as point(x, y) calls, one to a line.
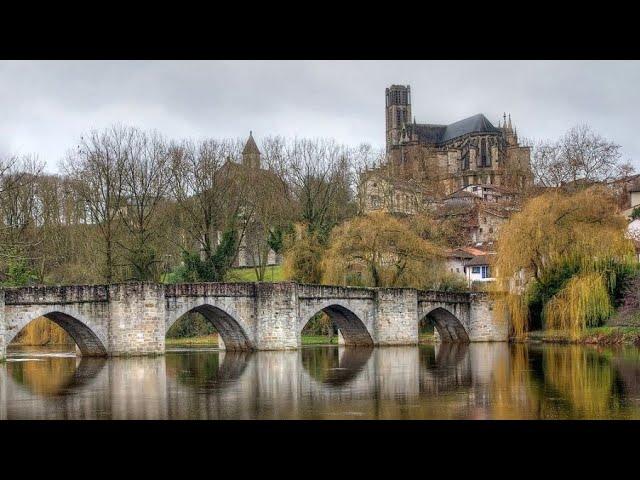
point(45, 106)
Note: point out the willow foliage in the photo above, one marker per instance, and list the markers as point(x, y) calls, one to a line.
point(562, 258)
point(379, 250)
point(303, 257)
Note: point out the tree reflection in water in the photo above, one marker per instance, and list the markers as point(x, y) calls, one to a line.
point(55, 376)
point(479, 380)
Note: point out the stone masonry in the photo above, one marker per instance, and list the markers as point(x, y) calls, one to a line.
point(133, 318)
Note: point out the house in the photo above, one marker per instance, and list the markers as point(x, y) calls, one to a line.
point(478, 269)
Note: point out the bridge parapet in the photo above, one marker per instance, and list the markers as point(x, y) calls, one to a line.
point(310, 291)
point(443, 297)
point(210, 290)
point(59, 295)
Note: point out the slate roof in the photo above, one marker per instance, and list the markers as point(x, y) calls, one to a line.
point(444, 133)
point(480, 260)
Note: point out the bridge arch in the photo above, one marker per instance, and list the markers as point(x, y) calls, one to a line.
point(353, 329)
point(448, 326)
point(86, 336)
point(225, 322)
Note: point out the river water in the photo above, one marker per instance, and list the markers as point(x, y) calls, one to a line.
point(477, 381)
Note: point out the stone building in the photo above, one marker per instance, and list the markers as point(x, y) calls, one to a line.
point(251, 245)
point(426, 162)
point(469, 151)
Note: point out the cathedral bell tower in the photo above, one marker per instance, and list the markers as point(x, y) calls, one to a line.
point(398, 112)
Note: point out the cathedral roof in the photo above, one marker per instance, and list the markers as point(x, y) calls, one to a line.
point(443, 133)
point(250, 146)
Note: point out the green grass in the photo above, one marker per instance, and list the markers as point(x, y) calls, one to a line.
point(205, 340)
point(426, 338)
point(212, 340)
point(248, 274)
point(606, 335)
point(319, 340)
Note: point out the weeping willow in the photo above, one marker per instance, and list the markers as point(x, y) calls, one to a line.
point(43, 331)
point(562, 259)
point(584, 300)
point(379, 250)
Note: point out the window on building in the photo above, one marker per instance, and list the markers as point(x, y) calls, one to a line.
point(465, 157)
point(475, 269)
point(486, 273)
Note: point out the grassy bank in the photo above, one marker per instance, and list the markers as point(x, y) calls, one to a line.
point(607, 335)
point(204, 341)
point(272, 274)
point(426, 338)
point(212, 341)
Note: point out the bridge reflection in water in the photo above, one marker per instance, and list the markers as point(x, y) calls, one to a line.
point(484, 380)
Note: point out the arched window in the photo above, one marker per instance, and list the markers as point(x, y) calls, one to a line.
point(465, 158)
point(483, 152)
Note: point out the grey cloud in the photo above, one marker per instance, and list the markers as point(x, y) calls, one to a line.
point(47, 105)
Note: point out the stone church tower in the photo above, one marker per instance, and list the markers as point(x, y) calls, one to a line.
point(398, 112)
point(251, 153)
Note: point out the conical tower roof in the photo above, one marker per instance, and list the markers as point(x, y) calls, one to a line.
point(250, 146)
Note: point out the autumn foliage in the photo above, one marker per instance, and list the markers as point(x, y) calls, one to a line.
point(562, 258)
point(379, 250)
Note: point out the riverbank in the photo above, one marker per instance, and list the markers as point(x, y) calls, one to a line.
point(607, 335)
point(204, 341)
point(212, 341)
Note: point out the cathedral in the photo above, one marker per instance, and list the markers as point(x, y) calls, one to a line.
point(427, 162)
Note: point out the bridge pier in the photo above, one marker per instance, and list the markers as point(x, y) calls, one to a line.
point(396, 313)
point(3, 328)
point(137, 312)
point(277, 316)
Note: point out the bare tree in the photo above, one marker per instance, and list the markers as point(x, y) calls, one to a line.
point(97, 168)
point(321, 175)
point(580, 155)
point(207, 188)
point(145, 178)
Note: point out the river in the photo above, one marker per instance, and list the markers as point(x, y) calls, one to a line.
point(476, 381)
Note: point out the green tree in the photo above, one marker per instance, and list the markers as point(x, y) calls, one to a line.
point(211, 269)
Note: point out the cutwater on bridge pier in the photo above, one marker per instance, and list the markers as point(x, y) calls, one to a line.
point(133, 318)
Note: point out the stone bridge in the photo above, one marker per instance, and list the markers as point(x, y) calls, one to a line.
point(133, 318)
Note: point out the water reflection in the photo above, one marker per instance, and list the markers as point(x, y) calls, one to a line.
point(206, 369)
point(335, 366)
point(491, 380)
point(55, 376)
